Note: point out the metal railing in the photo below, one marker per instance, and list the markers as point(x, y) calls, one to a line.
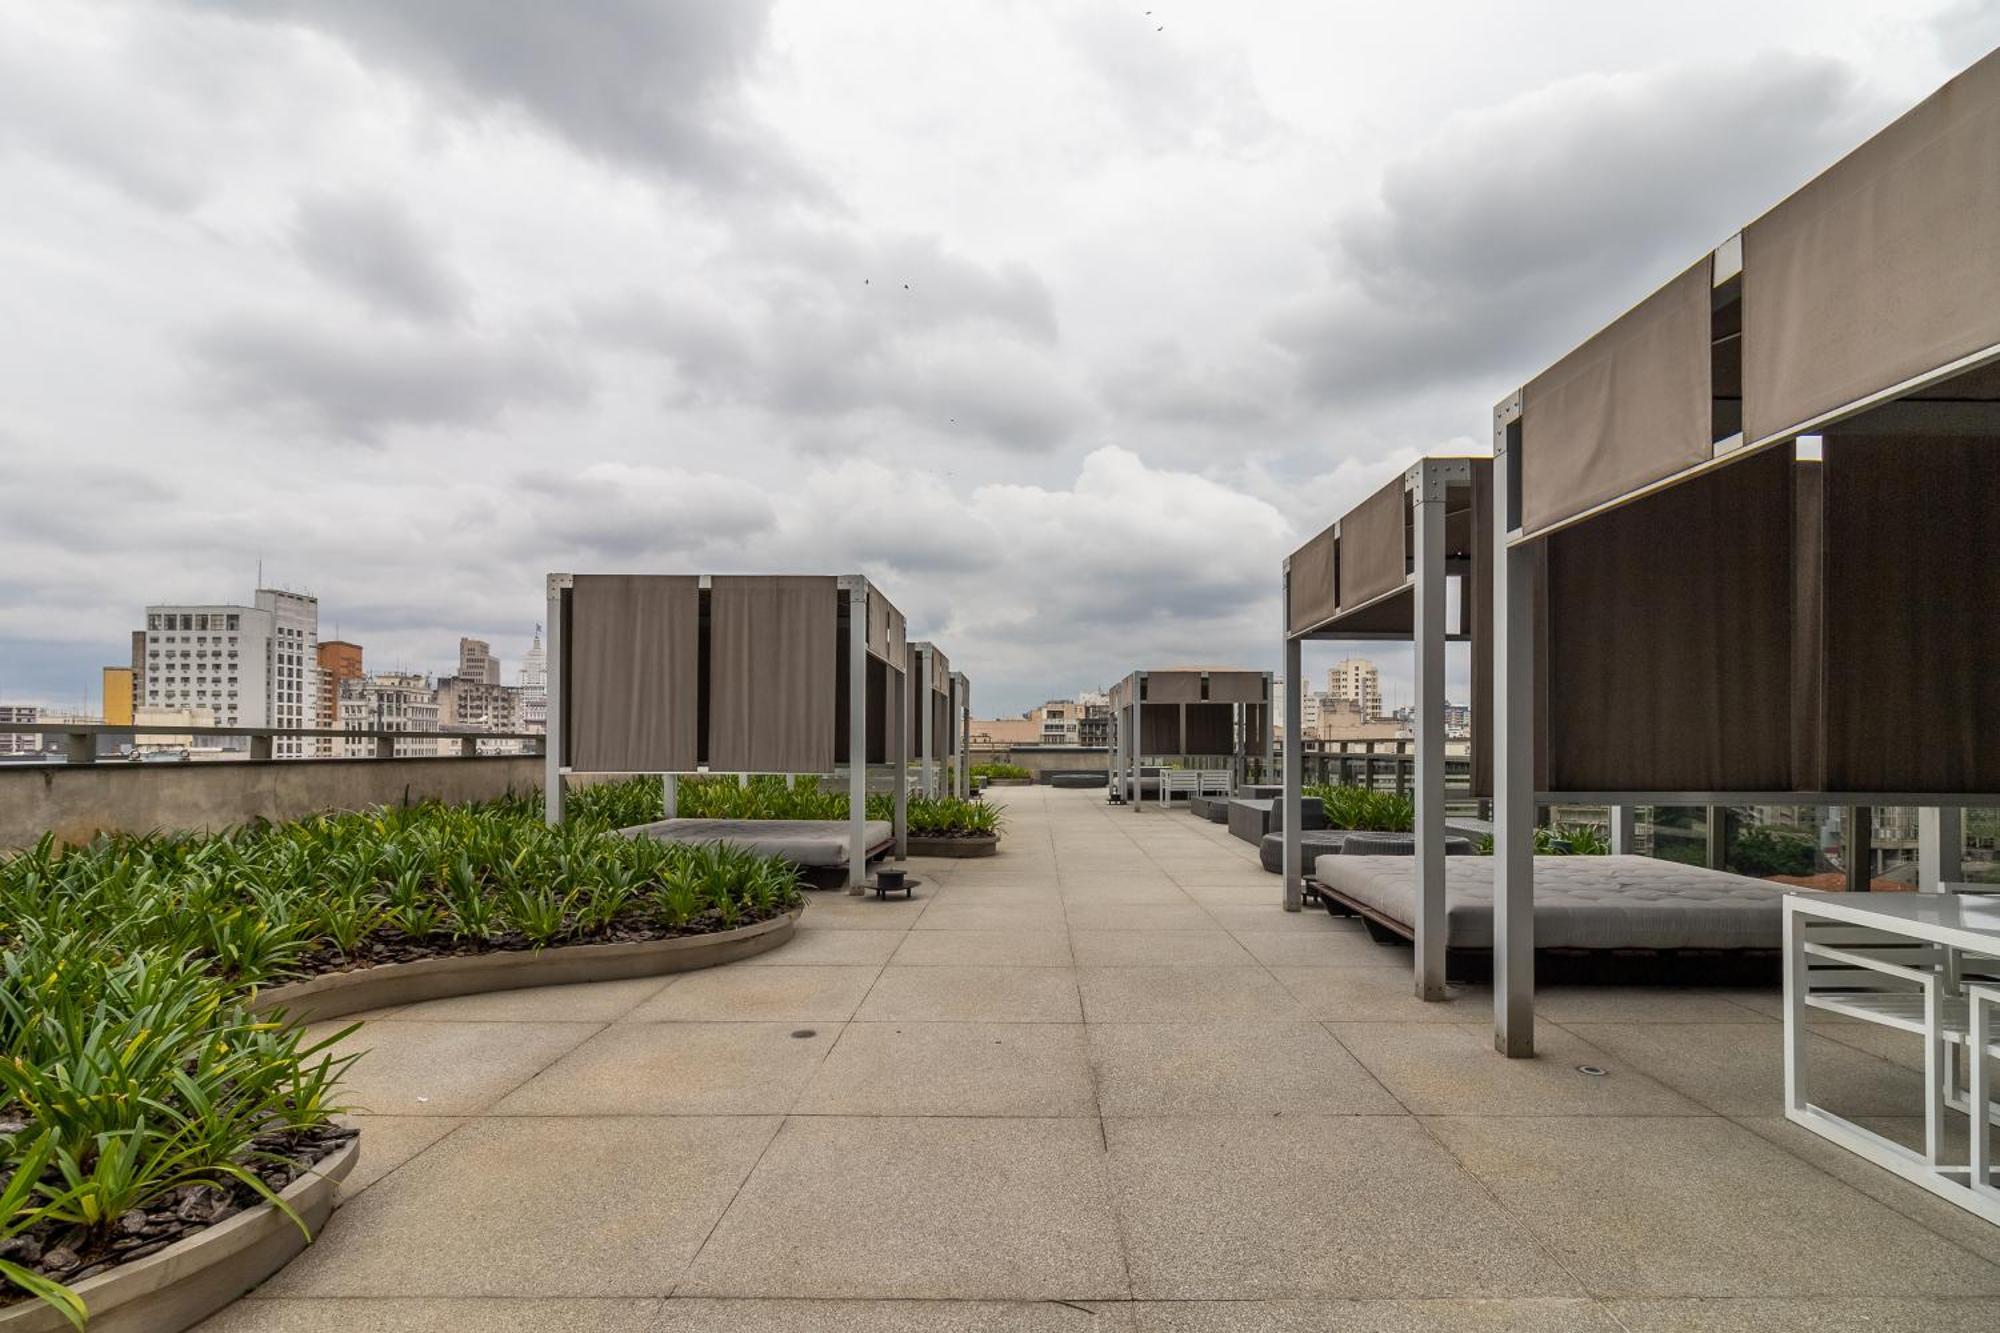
point(80, 739)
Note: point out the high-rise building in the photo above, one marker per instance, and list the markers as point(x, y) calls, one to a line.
point(1354, 685)
point(252, 666)
point(474, 705)
point(477, 662)
point(339, 661)
point(389, 701)
point(118, 696)
point(534, 683)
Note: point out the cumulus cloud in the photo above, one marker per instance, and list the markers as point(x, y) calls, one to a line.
point(355, 383)
point(372, 244)
point(650, 83)
point(1517, 229)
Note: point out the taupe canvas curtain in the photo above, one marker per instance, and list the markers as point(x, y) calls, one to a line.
point(1211, 729)
point(772, 667)
point(1236, 687)
point(1628, 408)
point(1477, 590)
point(631, 670)
point(1173, 687)
point(1668, 630)
point(1373, 550)
point(1312, 597)
point(1911, 612)
point(1885, 267)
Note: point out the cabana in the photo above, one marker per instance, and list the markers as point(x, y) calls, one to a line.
point(1744, 549)
point(931, 717)
point(1185, 715)
point(1383, 571)
point(781, 674)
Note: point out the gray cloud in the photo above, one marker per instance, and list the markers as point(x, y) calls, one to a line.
point(1517, 230)
point(354, 384)
point(1967, 30)
point(652, 83)
point(371, 244)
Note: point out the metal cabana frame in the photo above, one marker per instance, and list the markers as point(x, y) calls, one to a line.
point(932, 723)
point(961, 729)
point(679, 674)
point(1383, 571)
point(1147, 707)
point(1755, 509)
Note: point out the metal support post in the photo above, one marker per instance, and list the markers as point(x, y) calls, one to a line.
point(899, 689)
point(1295, 883)
point(670, 796)
point(1940, 847)
point(857, 737)
point(1860, 840)
point(1624, 830)
point(552, 729)
point(1513, 758)
point(1428, 503)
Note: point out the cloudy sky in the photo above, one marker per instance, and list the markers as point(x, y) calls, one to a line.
point(1062, 319)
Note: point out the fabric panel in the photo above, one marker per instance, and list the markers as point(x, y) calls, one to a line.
point(1912, 619)
point(1885, 267)
point(1173, 687)
point(1211, 729)
point(1374, 546)
point(1628, 408)
point(1808, 626)
point(1312, 597)
point(1159, 729)
point(1236, 687)
point(773, 668)
point(1477, 593)
point(1669, 633)
point(632, 663)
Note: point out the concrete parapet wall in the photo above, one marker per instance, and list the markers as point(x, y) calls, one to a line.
point(76, 800)
point(1044, 760)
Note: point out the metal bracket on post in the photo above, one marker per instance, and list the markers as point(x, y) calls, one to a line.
point(1513, 758)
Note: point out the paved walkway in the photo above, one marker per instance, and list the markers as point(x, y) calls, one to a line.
point(1101, 1082)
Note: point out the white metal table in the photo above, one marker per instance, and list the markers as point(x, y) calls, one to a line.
point(1913, 962)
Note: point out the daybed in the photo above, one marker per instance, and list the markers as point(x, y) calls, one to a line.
point(813, 844)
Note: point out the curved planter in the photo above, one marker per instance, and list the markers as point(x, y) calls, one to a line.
point(193, 1278)
point(337, 993)
point(985, 846)
point(1010, 782)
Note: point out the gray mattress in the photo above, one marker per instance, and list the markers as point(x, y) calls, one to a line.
point(1581, 902)
point(806, 842)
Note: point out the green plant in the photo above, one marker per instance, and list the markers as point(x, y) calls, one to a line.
point(997, 771)
point(1761, 850)
point(1365, 810)
point(1561, 840)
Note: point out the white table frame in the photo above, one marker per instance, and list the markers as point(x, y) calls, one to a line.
point(1920, 941)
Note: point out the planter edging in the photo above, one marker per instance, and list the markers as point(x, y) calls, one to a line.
point(194, 1277)
point(332, 994)
point(954, 847)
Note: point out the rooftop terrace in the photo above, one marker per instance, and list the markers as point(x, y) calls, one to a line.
point(1103, 1081)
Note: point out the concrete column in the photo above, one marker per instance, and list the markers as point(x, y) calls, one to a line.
point(926, 722)
point(899, 750)
point(552, 779)
point(1513, 762)
point(1428, 504)
point(857, 739)
point(1860, 840)
point(1624, 831)
point(1295, 883)
point(1940, 847)
point(670, 796)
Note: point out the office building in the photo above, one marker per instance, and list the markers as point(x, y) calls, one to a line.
point(251, 666)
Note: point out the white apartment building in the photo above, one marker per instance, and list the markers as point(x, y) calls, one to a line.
point(475, 705)
point(251, 666)
point(1355, 685)
point(19, 742)
point(389, 701)
point(1061, 721)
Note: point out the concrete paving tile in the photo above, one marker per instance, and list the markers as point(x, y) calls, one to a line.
point(1261, 892)
point(1322, 948)
point(1947, 1219)
point(1251, 1067)
point(1238, 917)
point(1452, 1069)
point(980, 1069)
point(1126, 892)
point(1700, 1206)
point(1181, 994)
point(1128, 948)
point(588, 1002)
point(1378, 995)
point(537, 1207)
point(1640, 1004)
point(1770, 1002)
point(836, 909)
point(998, 948)
point(677, 1069)
point(949, 915)
point(1001, 893)
point(471, 1315)
point(822, 993)
point(1884, 1315)
point(921, 1208)
point(1548, 1315)
point(1297, 1206)
point(694, 1314)
point(1188, 915)
point(1739, 1069)
point(446, 1069)
point(853, 948)
point(388, 1141)
point(973, 994)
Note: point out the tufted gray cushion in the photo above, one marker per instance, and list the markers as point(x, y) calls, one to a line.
point(805, 842)
point(1581, 902)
